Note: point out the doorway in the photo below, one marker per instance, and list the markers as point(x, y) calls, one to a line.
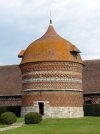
point(41, 108)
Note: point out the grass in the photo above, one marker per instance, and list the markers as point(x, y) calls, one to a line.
point(1, 126)
point(86, 125)
point(18, 120)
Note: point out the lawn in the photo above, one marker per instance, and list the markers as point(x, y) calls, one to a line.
point(86, 125)
point(1, 126)
point(18, 120)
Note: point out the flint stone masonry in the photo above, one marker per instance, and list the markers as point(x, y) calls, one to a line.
point(53, 79)
point(54, 112)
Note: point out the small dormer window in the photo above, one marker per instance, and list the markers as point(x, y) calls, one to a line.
point(74, 53)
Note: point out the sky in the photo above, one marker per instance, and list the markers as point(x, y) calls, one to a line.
point(24, 21)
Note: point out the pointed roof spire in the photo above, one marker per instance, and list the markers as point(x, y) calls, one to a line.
point(50, 18)
point(50, 21)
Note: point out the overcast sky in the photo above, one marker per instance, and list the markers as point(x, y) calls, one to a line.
point(23, 21)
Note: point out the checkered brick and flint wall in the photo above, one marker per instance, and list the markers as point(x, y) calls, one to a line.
point(58, 83)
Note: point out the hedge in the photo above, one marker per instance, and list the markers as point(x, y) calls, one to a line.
point(8, 118)
point(15, 109)
point(92, 109)
point(33, 118)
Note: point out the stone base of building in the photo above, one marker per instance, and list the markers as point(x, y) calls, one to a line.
point(55, 112)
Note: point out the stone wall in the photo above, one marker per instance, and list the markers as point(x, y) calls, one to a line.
point(54, 112)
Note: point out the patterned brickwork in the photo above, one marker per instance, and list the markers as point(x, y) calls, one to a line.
point(58, 99)
point(93, 99)
point(52, 75)
point(52, 85)
point(56, 75)
point(55, 82)
point(10, 101)
point(45, 66)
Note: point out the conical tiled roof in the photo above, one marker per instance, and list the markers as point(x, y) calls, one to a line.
point(51, 47)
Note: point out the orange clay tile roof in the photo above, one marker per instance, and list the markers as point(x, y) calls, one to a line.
point(21, 53)
point(50, 47)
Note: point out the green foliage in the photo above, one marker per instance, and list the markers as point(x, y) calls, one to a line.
point(32, 118)
point(92, 110)
point(3, 109)
point(85, 125)
point(8, 118)
point(14, 109)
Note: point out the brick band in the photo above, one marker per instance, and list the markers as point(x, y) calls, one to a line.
point(58, 99)
point(53, 66)
point(57, 74)
point(52, 85)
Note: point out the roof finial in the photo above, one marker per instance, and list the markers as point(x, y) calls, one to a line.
point(50, 18)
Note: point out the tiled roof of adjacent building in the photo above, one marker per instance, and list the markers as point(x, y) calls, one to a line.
point(10, 80)
point(91, 76)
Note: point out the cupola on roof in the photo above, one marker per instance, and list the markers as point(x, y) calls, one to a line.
point(50, 47)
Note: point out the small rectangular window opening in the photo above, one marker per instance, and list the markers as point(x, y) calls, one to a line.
point(41, 108)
